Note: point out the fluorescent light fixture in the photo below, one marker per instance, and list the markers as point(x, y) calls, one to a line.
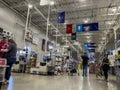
point(66, 46)
point(76, 43)
point(86, 20)
point(88, 37)
point(82, 0)
point(110, 22)
point(30, 5)
point(114, 9)
point(52, 3)
point(89, 40)
point(65, 23)
point(49, 24)
point(103, 38)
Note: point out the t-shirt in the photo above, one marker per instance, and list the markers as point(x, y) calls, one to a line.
point(12, 51)
point(85, 59)
point(105, 60)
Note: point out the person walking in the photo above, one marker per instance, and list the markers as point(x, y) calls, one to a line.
point(85, 64)
point(10, 55)
point(105, 66)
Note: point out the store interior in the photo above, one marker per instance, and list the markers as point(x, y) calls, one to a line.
point(49, 35)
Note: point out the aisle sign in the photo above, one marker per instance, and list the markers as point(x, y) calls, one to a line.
point(79, 28)
point(90, 27)
point(68, 28)
point(87, 27)
point(35, 39)
point(61, 17)
point(73, 36)
point(89, 45)
point(90, 50)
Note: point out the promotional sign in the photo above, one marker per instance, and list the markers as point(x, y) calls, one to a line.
point(79, 28)
point(28, 35)
point(89, 45)
point(87, 27)
point(61, 17)
point(90, 50)
point(35, 39)
point(73, 36)
point(90, 27)
point(69, 28)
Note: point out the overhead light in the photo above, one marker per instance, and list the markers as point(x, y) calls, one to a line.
point(30, 5)
point(86, 20)
point(114, 9)
point(49, 24)
point(76, 43)
point(103, 38)
point(87, 37)
point(110, 22)
point(82, 0)
point(66, 46)
point(65, 23)
point(52, 3)
point(89, 40)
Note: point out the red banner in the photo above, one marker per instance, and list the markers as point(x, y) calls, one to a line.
point(69, 28)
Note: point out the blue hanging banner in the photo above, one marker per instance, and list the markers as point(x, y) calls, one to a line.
point(87, 27)
point(79, 28)
point(90, 50)
point(89, 45)
point(90, 27)
point(61, 17)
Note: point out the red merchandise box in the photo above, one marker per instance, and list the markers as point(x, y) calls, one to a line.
point(2, 62)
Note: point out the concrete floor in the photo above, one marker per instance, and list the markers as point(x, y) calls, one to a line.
point(35, 82)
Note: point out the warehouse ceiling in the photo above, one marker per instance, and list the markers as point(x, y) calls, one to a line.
point(105, 12)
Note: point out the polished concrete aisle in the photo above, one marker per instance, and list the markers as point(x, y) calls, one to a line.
point(34, 82)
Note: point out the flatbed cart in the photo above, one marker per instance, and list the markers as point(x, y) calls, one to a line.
point(3, 66)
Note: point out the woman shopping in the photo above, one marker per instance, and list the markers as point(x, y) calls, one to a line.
point(105, 66)
point(10, 55)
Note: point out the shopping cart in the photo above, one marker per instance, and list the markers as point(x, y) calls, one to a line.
point(3, 66)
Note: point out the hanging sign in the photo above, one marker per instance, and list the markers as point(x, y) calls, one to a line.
point(90, 50)
point(35, 39)
point(73, 36)
point(68, 28)
point(87, 27)
point(61, 17)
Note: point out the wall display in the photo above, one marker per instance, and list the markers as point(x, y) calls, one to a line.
point(43, 44)
point(28, 35)
point(87, 27)
point(35, 39)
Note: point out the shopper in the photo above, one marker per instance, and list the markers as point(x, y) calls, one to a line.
point(3, 45)
point(105, 66)
point(11, 58)
point(85, 64)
